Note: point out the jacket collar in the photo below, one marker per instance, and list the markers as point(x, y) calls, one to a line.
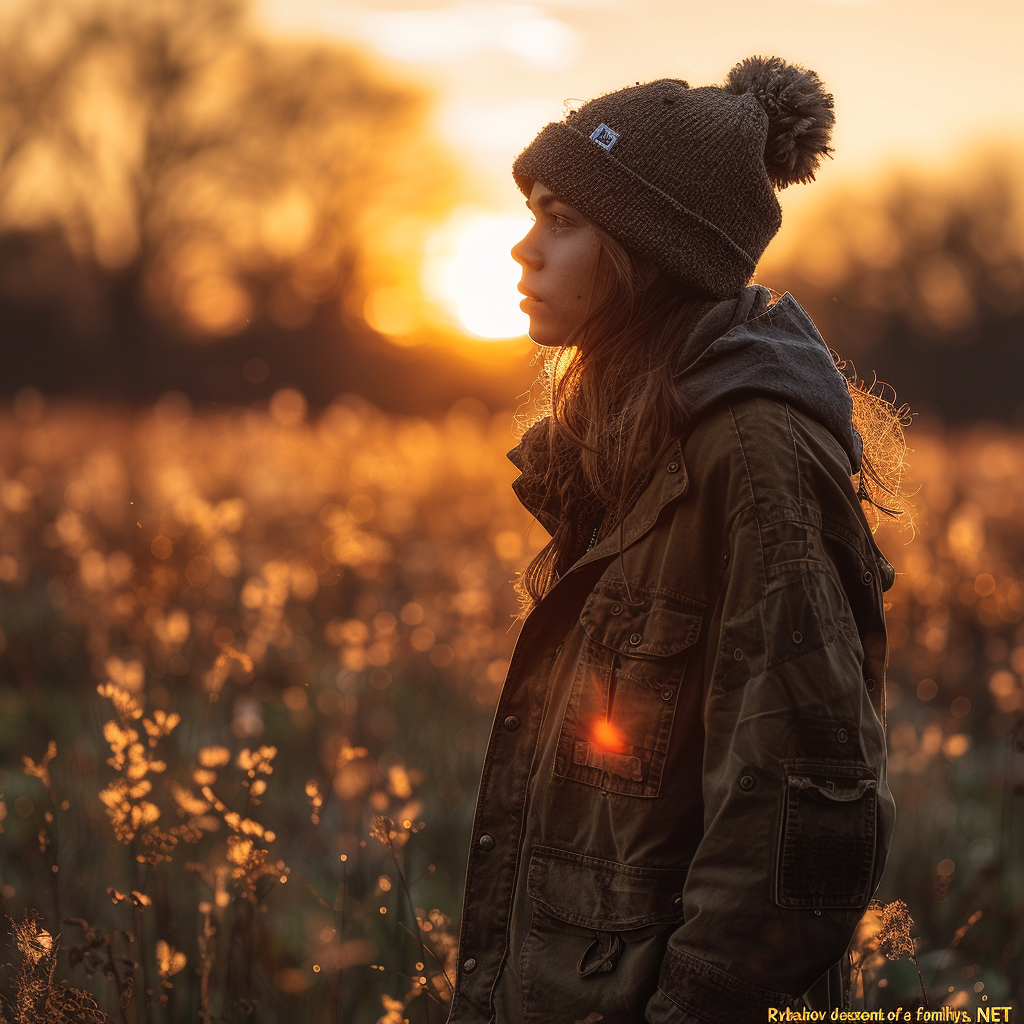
point(669, 480)
point(544, 516)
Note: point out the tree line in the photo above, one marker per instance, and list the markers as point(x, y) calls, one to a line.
point(188, 203)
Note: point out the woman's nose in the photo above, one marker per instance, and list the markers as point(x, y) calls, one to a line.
point(524, 253)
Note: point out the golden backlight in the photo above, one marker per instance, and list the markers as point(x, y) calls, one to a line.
point(471, 275)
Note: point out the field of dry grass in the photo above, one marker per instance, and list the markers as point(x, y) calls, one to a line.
point(249, 661)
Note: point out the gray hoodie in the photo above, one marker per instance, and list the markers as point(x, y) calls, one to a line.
point(742, 345)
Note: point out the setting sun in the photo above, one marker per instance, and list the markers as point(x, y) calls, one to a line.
point(470, 273)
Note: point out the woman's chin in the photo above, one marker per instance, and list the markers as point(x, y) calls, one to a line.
point(542, 342)
point(543, 335)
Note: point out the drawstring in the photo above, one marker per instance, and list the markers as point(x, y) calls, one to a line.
point(622, 564)
point(601, 955)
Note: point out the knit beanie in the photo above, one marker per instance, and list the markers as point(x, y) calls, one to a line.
point(687, 177)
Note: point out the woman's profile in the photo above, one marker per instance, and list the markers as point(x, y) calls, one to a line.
point(683, 810)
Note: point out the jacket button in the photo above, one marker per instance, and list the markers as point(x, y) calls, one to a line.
point(616, 608)
point(747, 782)
point(559, 649)
point(797, 637)
point(677, 900)
point(511, 723)
point(666, 694)
point(486, 843)
point(867, 577)
point(738, 654)
point(635, 638)
point(842, 735)
point(469, 966)
point(673, 467)
point(869, 683)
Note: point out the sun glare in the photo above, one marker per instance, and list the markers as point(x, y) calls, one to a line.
point(471, 275)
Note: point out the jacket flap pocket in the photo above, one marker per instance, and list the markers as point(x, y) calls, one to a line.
point(603, 894)
point(827, 839)
point(653, 626)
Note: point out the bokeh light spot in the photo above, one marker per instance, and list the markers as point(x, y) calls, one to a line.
point(960, 708)
point(255, 371)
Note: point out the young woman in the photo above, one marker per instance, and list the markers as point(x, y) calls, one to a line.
point(683, 810)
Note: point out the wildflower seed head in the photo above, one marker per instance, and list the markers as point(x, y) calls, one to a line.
point(894, 938)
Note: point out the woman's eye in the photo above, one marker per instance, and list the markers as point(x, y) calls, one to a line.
point(560, 222)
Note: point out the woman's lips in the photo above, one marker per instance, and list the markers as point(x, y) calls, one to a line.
point(530, 300)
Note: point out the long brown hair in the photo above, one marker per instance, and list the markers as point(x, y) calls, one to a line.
point(608, 408)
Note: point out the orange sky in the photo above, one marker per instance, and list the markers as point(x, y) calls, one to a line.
point(914, 80)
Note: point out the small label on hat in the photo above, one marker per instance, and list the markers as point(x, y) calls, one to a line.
point(604, 136)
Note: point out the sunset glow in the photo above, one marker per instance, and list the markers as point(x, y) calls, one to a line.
point(471, 275)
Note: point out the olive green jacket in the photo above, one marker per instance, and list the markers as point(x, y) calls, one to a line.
point(683, 809)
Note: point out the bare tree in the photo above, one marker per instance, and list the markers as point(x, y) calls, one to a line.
point(193, 173)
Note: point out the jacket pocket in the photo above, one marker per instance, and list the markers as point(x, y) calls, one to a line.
point(618, 721)
point(827, 836)
point(597, 936)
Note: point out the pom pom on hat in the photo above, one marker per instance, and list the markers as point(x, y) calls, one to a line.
point(800, 116)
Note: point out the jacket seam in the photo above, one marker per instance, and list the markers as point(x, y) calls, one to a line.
point(685, 1009)
point(743, 453)
point(822, 524)
point(814, 517)
point(753, 500)
point(796, 458)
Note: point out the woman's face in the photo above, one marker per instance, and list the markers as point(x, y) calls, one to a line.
point(559, 261)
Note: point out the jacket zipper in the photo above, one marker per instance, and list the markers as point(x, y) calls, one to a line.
point(593, 539)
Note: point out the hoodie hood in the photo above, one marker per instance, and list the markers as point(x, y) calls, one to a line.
point(740, 346)
point(745, 346)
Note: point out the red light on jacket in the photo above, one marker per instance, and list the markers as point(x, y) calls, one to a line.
point(607, 737)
